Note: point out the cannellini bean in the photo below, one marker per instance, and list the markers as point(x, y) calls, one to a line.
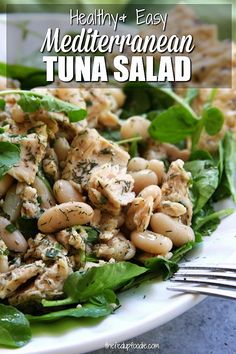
point(47, 199)
point(71, 95)
point(17, 114)
point(61, 148)
point(12, 203)
point(3, 264)
point(118, 95)
point(65, 192)
point(143, 179)
point(177, 232)
point(137, 164)
point(5, 183)
point(14, 241)
point(154, 192)
point(174, 153)
point(108, 119)
point(158, 167)
point(151, 242)
point(65, 215)
point(135, 126)
point(172, 208)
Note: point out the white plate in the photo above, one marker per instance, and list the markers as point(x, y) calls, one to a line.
point(142, 309)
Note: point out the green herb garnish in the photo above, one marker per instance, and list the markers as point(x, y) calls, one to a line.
point(10, 228)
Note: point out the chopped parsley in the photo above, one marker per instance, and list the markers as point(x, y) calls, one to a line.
point(103, 199)
point(52, 252)
point(10, 228)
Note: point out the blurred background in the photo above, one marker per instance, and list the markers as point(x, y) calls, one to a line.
point(41, 4)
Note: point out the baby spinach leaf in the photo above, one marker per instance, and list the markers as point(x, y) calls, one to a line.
point(173, 125)
point(227, 162)
point(106, 298)
point(179, 100)
point(80, 286)
point(200, 155)
point(181, 251)
point(205, 179)
point(137, 281)
point(31, 102)
point(98, 306)
point(213, 120)
point(191, 93)
point(87, 310)
point(153, 114)
point(143, 98)
point(29, 77)
point(168, 123)
point(92, 234)
point(156, 267)
point(14, 327)
point(9, 156)
point(161, 266)
point(207, 219)
point(2, 104)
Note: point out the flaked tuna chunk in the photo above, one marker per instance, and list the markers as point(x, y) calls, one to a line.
point(90, 150)
point(110, 188)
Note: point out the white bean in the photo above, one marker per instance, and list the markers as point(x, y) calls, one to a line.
point(151, 242)
point(118, 95)
point(65, 192)
point(14, 241)
point(47, 199)
point(143, 179)
point(176, 231)
point(108, 119)
point(3, 264)
point(137, 164)
point(135, 126)
point(174, 153)
point(12, 203)
point(17, 114)
point(65, 215)
point(61, 148)
point(172, 208)
point(154, 192)
point(5, 183)
point(158, 167)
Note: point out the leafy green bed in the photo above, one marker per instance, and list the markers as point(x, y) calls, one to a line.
point(172, 120)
